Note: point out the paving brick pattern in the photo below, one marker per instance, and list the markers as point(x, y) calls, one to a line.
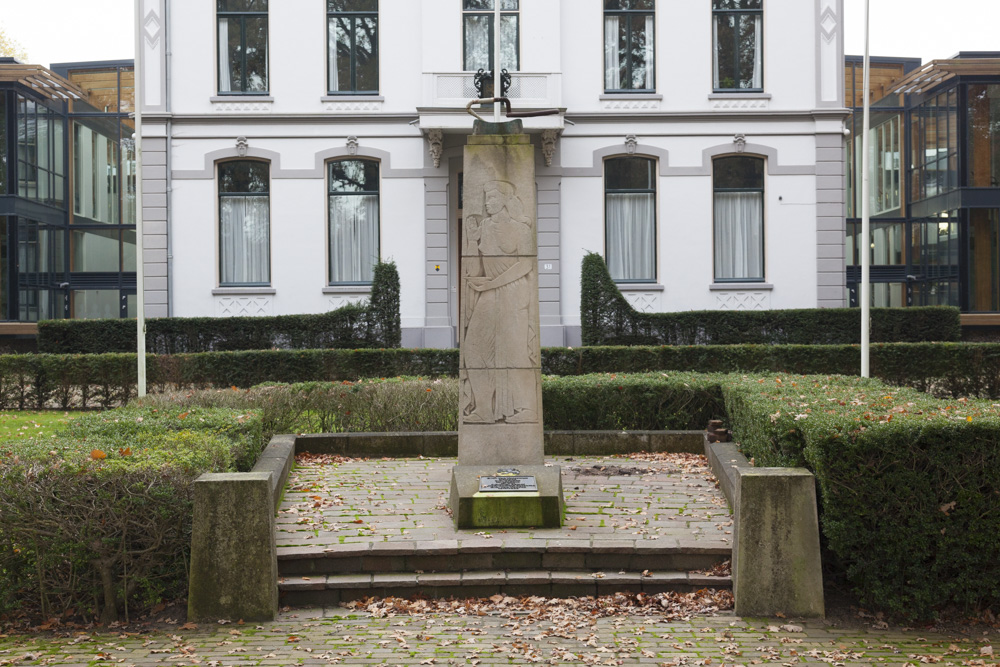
point(337, 636)
point(399, 506)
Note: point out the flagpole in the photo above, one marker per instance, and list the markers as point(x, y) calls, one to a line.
point(864, 245)
point(140, 299)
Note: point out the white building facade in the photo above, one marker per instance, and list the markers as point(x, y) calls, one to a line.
point(699, 146)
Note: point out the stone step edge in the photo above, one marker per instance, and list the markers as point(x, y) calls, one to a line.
point(453, 548)
point(498, 578)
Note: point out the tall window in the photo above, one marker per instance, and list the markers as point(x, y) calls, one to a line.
point(352, 46)
point(244, 223)
point(628, 45)
point(354, 220)
point(242, 46)
point(41, 172)
point(3, 143)
point(478, 35)
point(630, 218)
point(885, 147)
point(738, 34)
point(739, 218)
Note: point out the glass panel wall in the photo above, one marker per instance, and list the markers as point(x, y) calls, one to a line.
point(886, 245)
point(984, 136)
point(934, 146)
point(40, 151)
point(3, 142)
point(92, 304)
point(40, 268)
point(885, 143)
point(96, 251)
point(95, 169)
point(983, 284)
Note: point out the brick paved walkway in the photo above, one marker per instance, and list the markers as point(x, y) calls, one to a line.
point(336, 637)
point(673, 501)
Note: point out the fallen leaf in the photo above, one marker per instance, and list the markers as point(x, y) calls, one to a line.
point(97, 454)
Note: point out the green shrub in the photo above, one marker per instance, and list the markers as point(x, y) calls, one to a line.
point(654, 401)
point(243, 429)
point(908, 483)
point(372, 325)
point(608, 319)
point(100, 521)
point(592, 402)
point(387, 405)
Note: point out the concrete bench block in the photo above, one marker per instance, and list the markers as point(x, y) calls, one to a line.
point(234, 563)
point(776, 557)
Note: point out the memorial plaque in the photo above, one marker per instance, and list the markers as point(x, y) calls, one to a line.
point(500, 483)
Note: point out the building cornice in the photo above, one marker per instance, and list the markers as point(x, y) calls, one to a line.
point(274, 118)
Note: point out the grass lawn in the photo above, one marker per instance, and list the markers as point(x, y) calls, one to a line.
point(32, 424)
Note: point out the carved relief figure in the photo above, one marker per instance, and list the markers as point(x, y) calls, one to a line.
point(500, 346)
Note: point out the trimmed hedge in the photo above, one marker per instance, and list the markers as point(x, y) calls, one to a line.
point(374, 324)
point(42, 380)
point(98, 519)
point(908, 484)
point(606, 401)
point(607, 318)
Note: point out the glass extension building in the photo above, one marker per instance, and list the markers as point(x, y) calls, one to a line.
point(934, 184)
point(67, 192)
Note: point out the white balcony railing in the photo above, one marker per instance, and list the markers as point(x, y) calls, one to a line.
point(527, 89)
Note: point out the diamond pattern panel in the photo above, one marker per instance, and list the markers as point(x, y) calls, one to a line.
point(338, 300)
point(244, 306)
point(644, 302)
point(738, 300)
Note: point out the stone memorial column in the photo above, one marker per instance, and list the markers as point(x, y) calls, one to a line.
point(501, 478)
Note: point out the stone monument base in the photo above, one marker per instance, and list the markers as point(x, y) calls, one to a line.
point(473, 508)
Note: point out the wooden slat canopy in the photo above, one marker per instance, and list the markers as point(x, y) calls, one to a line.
point(43, 81)
point(938, 71)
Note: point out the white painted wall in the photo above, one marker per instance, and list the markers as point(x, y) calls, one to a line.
point(562, 39)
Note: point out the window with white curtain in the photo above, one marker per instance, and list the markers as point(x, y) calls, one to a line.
point(739, 218)
point(738, 38)
point(477, 35)
point(354, 220)
point(628, 45)
point(242, 26)
point(244, 223)
point(630, 218)
point(352, 46)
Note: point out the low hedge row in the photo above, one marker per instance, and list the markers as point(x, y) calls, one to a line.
point(607, 318)
point(909, 484)
point(98, 519)
point(40, 380)
point(374, 324)
point(592, 402)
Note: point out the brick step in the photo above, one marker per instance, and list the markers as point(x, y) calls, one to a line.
point(431, 557)
point(336, 588)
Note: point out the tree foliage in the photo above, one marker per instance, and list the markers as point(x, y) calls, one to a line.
point(11, 47)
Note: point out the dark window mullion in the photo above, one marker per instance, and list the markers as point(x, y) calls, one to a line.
point(243, 54)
